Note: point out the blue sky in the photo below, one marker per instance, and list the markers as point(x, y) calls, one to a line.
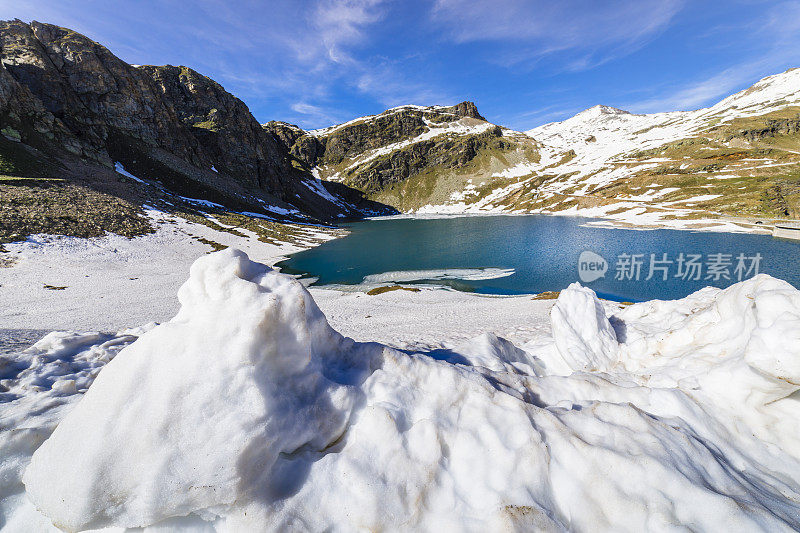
point(524, 63)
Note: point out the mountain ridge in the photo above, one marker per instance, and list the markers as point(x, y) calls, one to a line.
point(69, 108)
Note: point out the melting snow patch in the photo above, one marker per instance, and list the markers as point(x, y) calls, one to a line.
point(198, 201)
point(121, 170)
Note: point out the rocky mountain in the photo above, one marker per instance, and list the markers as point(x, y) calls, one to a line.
point(408, 156)
point(67, 102)
point(738, 158)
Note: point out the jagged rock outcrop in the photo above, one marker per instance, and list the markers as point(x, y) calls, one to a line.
point(464, 109)
point(224, 128)
point(88, 88)
point(773, 127)
point(303, 147)
point(366, 135)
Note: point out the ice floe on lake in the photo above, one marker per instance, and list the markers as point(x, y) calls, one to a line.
point(248, 412)
point(466, 274)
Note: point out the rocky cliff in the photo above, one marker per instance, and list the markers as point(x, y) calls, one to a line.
point(65, 96)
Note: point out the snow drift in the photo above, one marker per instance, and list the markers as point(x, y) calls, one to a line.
point(247, 411)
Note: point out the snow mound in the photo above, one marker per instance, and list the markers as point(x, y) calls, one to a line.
point(742, 342)
point(247, 412)
point(37, 387)
point(197, 411)
point(582, 332)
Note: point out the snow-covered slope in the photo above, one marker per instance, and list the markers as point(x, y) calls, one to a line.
point(247, 412)
point(603, 147)
point(618, 132)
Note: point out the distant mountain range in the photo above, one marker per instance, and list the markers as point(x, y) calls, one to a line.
point(738, 158)
point(168, 136)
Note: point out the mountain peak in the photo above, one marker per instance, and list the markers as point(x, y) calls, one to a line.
point(466, 109)
point(599, 110)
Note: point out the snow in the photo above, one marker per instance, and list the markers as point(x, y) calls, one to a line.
point(318, 187)
point(248, 411)
point(113, 282)
point(199, 201)
point(121, 170)
point(281, 393)
point(330, 129)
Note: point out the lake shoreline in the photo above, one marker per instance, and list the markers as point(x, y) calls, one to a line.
point(711, 225)
point(535, 254)
point(113, 282)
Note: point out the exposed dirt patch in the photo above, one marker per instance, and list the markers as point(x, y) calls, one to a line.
point(389, 288)
point(547, 295)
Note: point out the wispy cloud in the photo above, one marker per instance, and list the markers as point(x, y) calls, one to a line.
point(342, 23)
point(593, 32)
point(777, 31)
point(306, 113)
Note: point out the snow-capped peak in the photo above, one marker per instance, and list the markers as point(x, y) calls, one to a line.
point(600, 110)
point(587, 120)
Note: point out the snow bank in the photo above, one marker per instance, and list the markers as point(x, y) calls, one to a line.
point(248, 412)
point(197, 412)
point(742, 342)
point(37, 387)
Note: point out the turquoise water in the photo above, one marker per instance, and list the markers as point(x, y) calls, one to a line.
point(540, 253)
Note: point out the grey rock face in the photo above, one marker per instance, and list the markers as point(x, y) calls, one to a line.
point(170, 123)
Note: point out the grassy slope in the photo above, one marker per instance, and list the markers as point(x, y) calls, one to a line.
point(753, 177)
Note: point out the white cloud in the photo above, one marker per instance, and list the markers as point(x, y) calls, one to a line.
point(315, 114)
point(342, 23)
